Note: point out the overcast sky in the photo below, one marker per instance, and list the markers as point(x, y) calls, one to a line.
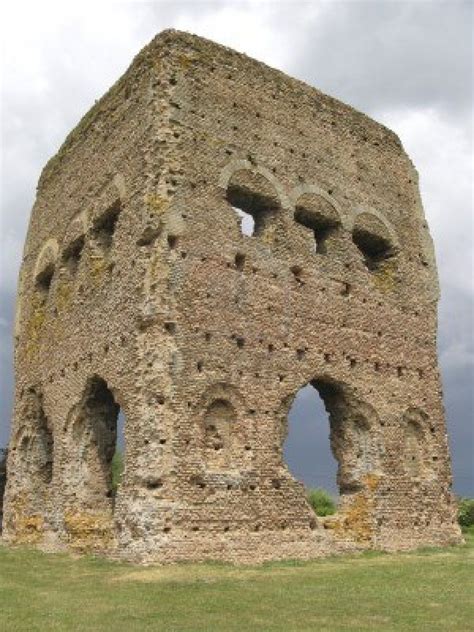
point(406, 64)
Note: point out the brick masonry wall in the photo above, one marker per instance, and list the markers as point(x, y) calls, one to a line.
point(140, 291)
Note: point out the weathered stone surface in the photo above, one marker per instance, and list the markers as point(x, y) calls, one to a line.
point(139, 290)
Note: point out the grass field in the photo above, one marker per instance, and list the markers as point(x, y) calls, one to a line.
point(427, 590)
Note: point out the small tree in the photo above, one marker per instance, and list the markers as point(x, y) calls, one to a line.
point(466, 512)
point(321, 501)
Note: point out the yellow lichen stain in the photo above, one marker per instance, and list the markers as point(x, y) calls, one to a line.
point(157, 204)
point(357, 518)
point(185, 61)
point(64, 293)
point(35, 325)
point(372, 481)
point(356, 521)
point(28, 527)
point(385, 277)
point(88, 531)
point(269, 235)
point(97, 267)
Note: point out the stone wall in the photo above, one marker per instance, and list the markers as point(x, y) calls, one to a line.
point(213, 236)
point(3, 480)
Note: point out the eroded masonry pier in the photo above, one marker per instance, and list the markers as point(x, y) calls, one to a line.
point(211, 237)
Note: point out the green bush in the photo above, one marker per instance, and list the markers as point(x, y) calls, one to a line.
point(466, 512)
point(117, 470)
point(321, 501)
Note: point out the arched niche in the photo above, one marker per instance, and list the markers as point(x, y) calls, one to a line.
point(44, 268)
point(219, 421)
point(226, 437)
point(33, 444)
point(91, 445)
point(416, 448)
point(74, 243)
point(374, 238)
point(255, 200)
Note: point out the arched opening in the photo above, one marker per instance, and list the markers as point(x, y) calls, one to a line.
point(44, 280)
point(96, 445)
point(254, 200)
point(44, 271)
point(72, 254)
point(315, 213)
point(118, 459)
point(307, 449)
point(104, 226)
point(325, 408)
point(373, 239)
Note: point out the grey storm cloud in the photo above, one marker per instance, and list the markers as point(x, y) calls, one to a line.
point(407, 64)
point(395, 55)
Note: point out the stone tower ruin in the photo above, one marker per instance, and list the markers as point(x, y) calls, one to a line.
point(212, 236)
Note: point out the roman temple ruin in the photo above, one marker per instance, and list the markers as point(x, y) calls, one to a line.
point(211, 237)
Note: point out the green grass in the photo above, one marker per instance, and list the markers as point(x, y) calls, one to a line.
point(426, 590)
point(321, 501)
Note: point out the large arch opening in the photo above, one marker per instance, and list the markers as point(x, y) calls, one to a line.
point(97, 447)
point(324, 409)
point(307, 449)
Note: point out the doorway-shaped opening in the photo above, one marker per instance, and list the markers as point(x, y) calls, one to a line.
point(354, 438)
point(307, 449)
point(97, 446)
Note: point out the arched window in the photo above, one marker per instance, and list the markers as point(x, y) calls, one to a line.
point(254, 199)
point(72, 254)
point(373, 239)
point(353, 436)
point(315, 213)
point(307, 449)
point(103, 227)
point(45, 268)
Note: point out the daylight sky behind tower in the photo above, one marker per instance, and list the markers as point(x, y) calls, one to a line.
point(406, 64)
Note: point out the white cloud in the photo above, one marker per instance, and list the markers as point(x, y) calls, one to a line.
point(442, 154)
